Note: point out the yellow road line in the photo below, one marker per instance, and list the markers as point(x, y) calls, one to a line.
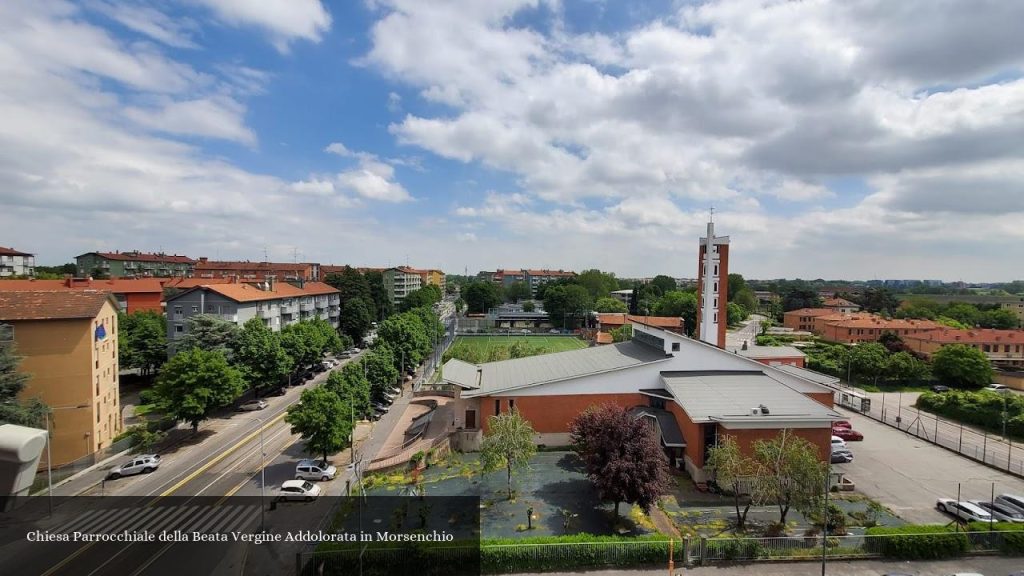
point(68, 559)
point(219, 457)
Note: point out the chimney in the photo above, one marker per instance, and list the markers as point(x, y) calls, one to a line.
point(270, 282)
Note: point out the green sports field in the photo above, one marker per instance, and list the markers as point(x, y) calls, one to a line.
point(549, 343)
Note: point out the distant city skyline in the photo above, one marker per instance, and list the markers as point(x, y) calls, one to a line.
point(834, 139)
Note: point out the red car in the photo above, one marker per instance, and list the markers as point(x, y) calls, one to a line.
point(847, 434)
point(842, 424)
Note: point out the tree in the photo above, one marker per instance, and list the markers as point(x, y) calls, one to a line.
point(565, 303)
point(379, 294)
point(736, 313)
point(962, 366)
point(517, 291)
point(620, 454)
point(879, 300)
point(623, 333)
point(610, 305)
point(407, 338)
point(31, 413)
point(963, 313)
point(260, 356)
point(732, 472)
point(196, 382)
point(507, 444)
point(142, 340)
point(209, 332)
point(356, 317)
point(350, 283)
point(744, 297)
point(380, 369)
point(904, 367)
point(664, 283)
point(297, 346)
point(800, 295)
point(481, 296)
point(352, 386)
point(789, 473)
point(322, 419)
point(425, 296)
point(680, 305)
point(736, 285)
point(529, 306)
point(1000, 319)
point(869, 359)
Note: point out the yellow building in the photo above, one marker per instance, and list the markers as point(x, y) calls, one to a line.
point(67, 341)
point(436, 277)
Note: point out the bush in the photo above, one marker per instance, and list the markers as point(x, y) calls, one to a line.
point(147, 396)
point(917, 542)
point(1010, 538)
point(983, 409)
point(505, 555)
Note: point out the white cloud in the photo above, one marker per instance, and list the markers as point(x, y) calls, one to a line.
point(339, 149)
point(147, 20)
point(373, 180)
point(285, 20)
point(214, 117)
point(394, 102)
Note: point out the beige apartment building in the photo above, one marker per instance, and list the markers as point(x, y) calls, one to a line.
point(67, 341)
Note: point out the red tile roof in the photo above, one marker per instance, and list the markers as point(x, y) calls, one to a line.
point(235, 266)
point(874, 321)
point(811, 312)
point(546, 272)
point(618, 319)
point(12, 252)
point(837, 303)
point(604, 338)
point(186, 283)
point(52, 304)
point(975, 336)
point(251, 292)
point(116, 285)
point(143, 257)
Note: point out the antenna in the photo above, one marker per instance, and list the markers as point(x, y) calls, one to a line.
point(265, 258)
point(295, 254)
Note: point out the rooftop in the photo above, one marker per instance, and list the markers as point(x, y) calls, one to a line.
point(136, 256)
point(534, 370)
point(619, 318)
point(730, 396)
point(12, 252)
point(875, 321)
point(239, 266)
point(51, 304)
point(811, 312)
point(117, 285)
point(768, 352)
point(807, 374)
point(837, 303)
point(977, 335)
point(255, 292)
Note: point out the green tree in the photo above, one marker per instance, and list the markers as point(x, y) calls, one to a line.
point(800, 295)
point(1000, 319)
point(295, 344)
point(529, 306)
point(567, 305)
point(732, 472)
point(904, 367)
point(356, 317)
point(789, 474)
point(869, 359)
point(481, 296)
point(322, 419)
point(379, 294)
point(209, 332)
point(517, 291)
point(610, 305)
point(598, 284)
point(407, 338)
point(879, 300)
point(142, 340)
point(425, 296)
point(664, 283)
point(737, 284)
point(963, 313)
point(12, 411)
point(736, 313)
point(679, 304)
point(744, 297)
point(380, 369)
point(196, 382)
point(507, 444)
point(623, 333)
point(962, 366)
point(352, 386)
point(260, 355)
point(350, 283)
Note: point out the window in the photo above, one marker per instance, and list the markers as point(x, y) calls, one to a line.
point(656, 402)
point(675, 346)
point(497, 407)
point(178, 328)
point(511, 404)
point(195, 309)
point(97, 412)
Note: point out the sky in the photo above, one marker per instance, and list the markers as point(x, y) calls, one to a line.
point(859, 139)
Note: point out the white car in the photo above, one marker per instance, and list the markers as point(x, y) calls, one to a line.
point(139, 465)
point(963, 510)
point(314, 470)
point(838, 443)
point(298, 490)
point(997, 388)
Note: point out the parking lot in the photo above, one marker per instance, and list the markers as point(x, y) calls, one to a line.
point(908, 475)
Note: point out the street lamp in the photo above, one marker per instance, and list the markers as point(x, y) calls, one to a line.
point(263, 474)
point(49, 458)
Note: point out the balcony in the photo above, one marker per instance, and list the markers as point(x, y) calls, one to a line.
point(307, 306)
point(291, 308)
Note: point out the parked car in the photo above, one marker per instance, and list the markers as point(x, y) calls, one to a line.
point(940, 388)
point(327, 364)
point(525, 331)
point(139, 465)
point(1012, 500)
point(253, 405)
point(281, 391)
point(837, 442)
point(381, 407)
point(1000, 512)
point(298, 490)
point(847, 434)
point(841, 456)
point(997, 388)
point(314, 470)
point(842, 424)
point(553, 331)
point(963, 511)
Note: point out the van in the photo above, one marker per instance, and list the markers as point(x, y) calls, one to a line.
point(314, 470)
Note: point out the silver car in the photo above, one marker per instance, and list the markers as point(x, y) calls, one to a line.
point(1000, 512)
point(139, 465)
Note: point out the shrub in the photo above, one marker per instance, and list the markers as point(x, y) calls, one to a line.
point(1009, 540)
point(505, 555)
point(917, 542)
point(983, 409)
point(147, 396)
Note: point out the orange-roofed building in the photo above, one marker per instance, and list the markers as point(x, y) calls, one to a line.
point(803, 318)
point(840, 305)
point(277, 304)
point(1002, 347)
point(131, 294)
point(134, 264)
point(611, 320)
point(855, 328)
point(402, 280)
point(281, 271)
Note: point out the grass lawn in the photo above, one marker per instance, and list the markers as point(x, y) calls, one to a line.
point(550, 343)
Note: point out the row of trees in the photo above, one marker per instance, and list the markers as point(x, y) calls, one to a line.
point(958, 314)
point(890, 361)
point(364, 300)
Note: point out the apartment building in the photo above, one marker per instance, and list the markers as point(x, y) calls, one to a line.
point(277, 304)
point(131, 294)
point(1017, 308)
point(15, 263)
point(134, 264)
point(68, 344)
point(840, 305)
point(402, 280)
point(855, 328)
point(245, 270)
point(532, 277)
point(803, 318)
point(1004, 348)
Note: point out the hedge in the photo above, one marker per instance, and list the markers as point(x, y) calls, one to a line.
point(1010, 538)
point(917, 542)
point(505, 555)
point(983, 409)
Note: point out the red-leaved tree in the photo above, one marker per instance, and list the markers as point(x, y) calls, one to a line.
point(621, 455)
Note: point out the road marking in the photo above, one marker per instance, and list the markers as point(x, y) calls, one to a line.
point(63, 562)
point(152, 559)
point(238, 487)
point(221, 456)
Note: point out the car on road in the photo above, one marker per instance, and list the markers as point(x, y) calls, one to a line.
point(1014, 501)
point(997, 388)
point(381, 407)
point(298, 490)
point(940, 388)
point(314, 470)
point(139, 465)
point(847, 434)
point(253, 405)
point(841, 456)
point(554, 331)
point(842, 424)
point(963, 511)
point(327, 364)
point(1000, 512)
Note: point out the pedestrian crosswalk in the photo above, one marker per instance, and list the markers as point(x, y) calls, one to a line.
point(209, 519)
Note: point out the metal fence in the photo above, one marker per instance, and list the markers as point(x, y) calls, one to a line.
point(979, 445)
